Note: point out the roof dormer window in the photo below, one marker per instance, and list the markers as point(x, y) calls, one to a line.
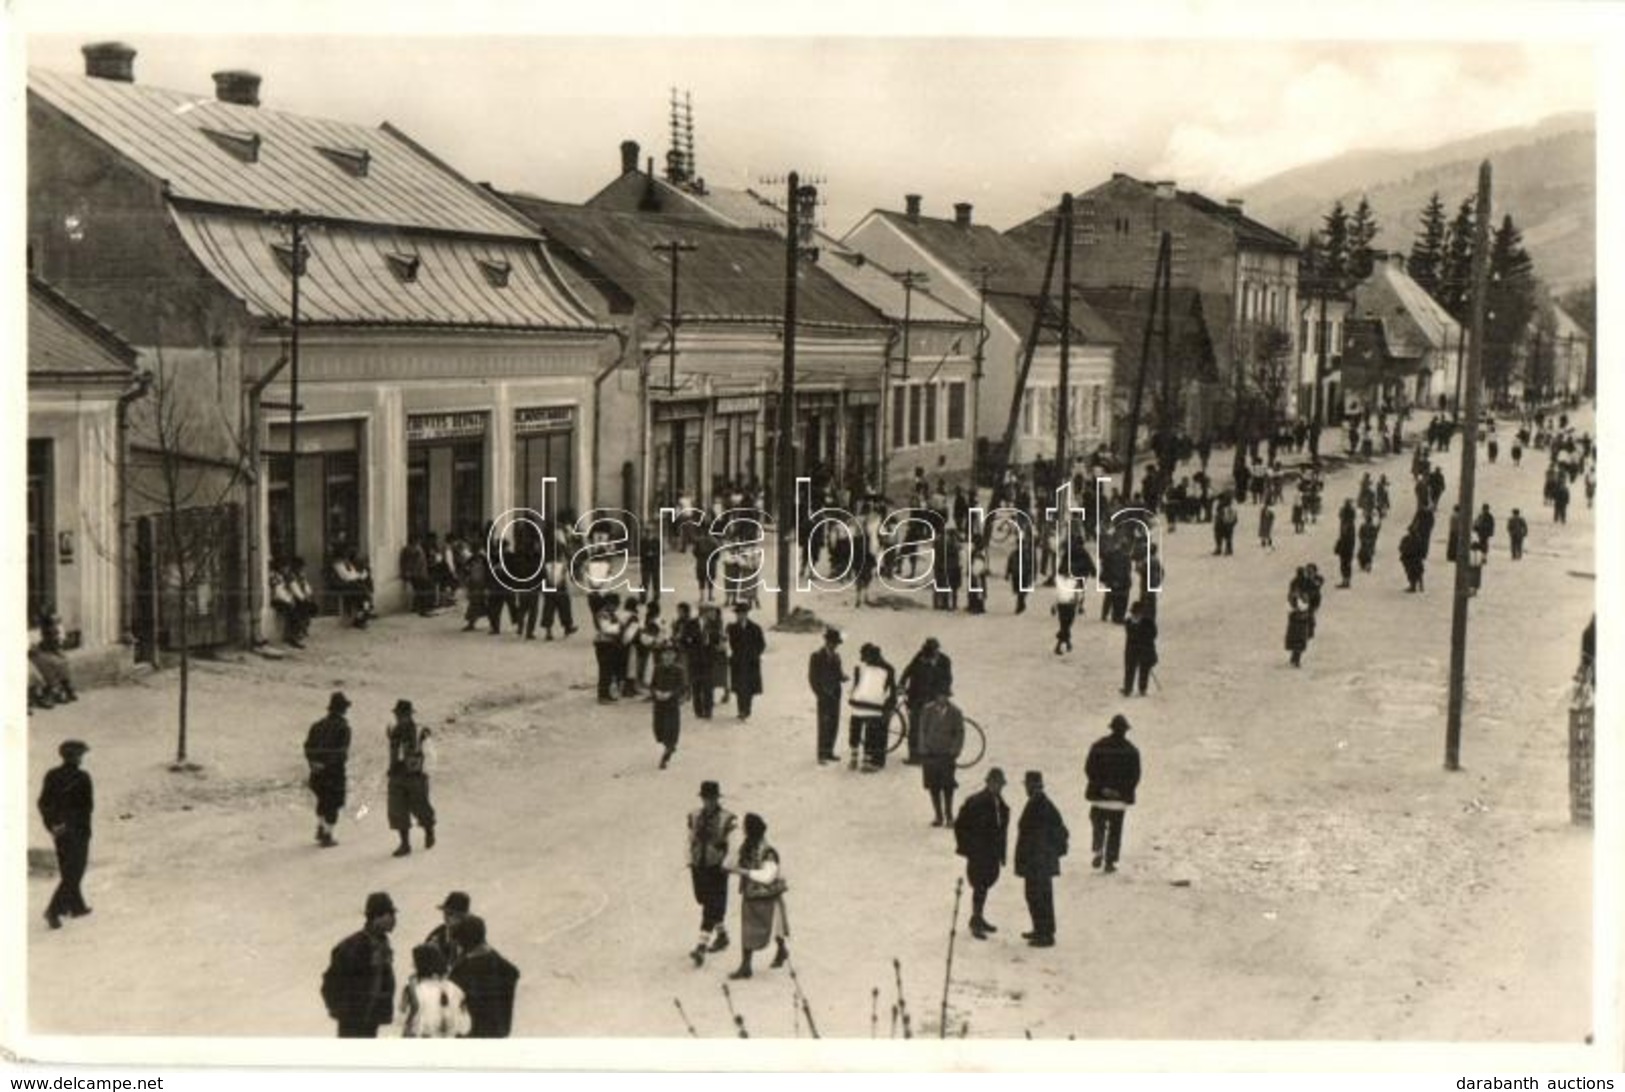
point(352, 161)
point(239, 144)
point(496, 271)
point(404, 266)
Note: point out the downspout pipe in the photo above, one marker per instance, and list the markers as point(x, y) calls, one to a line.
point(254, 390)
point(140, 387)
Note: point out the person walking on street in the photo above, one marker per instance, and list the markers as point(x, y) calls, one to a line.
point(1413, 558)
point(1483, 528)
point(1041, 842)
point(606, 647)
point(1368, 542)
point(710, 826)
point(826, 677)
point(1068, 594)
point(1560, 500)
point(746, 643)
point(942, 737)
point(1300, 623)
point(929, 675)
point(432, 1007)
point(556, 595)
point(1113, 772)
point(1345, 552)
point(1139, 650)
point(1517, 531)
point(1022, 569)
point(487, 980)
point(409, 762)
point(873, 697)
point(66, 800)
point(667, 690)
point(327, 750)
point(761, 898)
point(981, 836)
point(443, 936)
point(358, 987)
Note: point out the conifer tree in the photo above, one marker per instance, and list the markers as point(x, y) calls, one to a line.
point(1362, 232)
point(1425, 264)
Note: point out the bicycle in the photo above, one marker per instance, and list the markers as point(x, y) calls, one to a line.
point(969, 755)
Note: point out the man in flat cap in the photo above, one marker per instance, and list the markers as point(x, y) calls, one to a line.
point(827, 677)
point(327, 749)
point(409, 780)
point(710, 826)
point(444, 936)
point(1041, 842)
point(359, 985)
point(1113, 770)
point(65, 802)
point(982, 834)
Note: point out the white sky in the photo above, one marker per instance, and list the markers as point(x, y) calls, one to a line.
point(1006, 123)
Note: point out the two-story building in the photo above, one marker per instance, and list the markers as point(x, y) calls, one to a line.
point(262, 260)
point(1245, 272)
point(923, 419)
point(1401, 345)
point(975, 269)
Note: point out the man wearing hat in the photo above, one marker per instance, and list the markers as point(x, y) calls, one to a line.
point(65, 802)
point(1041, 842)
point(826, 677)
point(359, 986)
point(444, 936)
point(928, 676)
point(487, 980)
point(982, 837)
point(327, 749)
point(409, 779)
point(746, 644)
point(1113, 770)
point(710, 826)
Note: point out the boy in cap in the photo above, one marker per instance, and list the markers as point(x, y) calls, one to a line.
point(409, 779)
point(826, 676)
point(327, 749)
point(1041, 842)
point(710, 826)
point(667, 691)
point(66, 801)
point(982, 834)
point(1113, 770)
point(359, 985)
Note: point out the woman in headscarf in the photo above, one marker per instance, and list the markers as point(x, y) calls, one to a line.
point(761, 889)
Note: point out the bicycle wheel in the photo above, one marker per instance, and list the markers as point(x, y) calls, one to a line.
point(896, 727)
point(975, 746)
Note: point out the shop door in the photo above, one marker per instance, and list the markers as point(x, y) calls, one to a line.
point(541, 457)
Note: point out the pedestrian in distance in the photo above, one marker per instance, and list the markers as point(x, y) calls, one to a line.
point(327, 750)
point(409, 764)
point(981, 836)
point(1367, 551)
point(929, 675)
point(1413, 558)
point(67, 800)
point(1266, 527)
point(1041, 842)
point(873, 696)
point(606, 643)
point(976, 589)
point(1483, 528)
point(942, 738)
point(432, 1006)
point(487, 980)
point(1068, 597)
point(746, 644)
point(826, 677)
point(1021, 569)
point(454, 909)
point(556, 596)
point(1345, 553)
point(1299, 625)
point(1517, 531)
point(762, 916)
point(1139, 650)
point(1113, 772)
point(667, 690)
point(358, 986)
point(710, 827)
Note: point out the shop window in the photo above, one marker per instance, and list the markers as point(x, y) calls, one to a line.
point(931, 412)
point(899, 414)
point(956, 411)
point(916, 403)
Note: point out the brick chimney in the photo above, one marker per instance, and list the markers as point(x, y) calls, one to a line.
point(962, 213)
point(629, 156)
point(911, 204)
point(1165, 189)
point(237, 86)
point(110, 61)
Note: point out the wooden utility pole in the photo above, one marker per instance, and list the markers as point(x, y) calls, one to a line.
point(1164, 253)
point(296, 225)
point(673, 251)
point(982, 272)
point(1063, 415)
point(1469, 454)
point(785, 485)
point(1041, 305)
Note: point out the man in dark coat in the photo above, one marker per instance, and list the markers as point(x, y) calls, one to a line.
point(66, 801)
point(826, 677)
point(487, 980)
point(1368, 542)
point(1041, 842)
point(746, 643)
point(409, 780)
point(982, 837)
point(1116, 576)
point(930, 674)
point(1113, 770)
point(1484, 528)
point(443, 937)
point(327, 750)
point(1413, 558)
point(1139, 649)
point(359, 986)
point(1517, 531)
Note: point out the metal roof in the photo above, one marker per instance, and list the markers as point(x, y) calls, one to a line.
point(66, 340)
point(1413, 321)
point(733, 275)
point(359, 275)
point(167, 132)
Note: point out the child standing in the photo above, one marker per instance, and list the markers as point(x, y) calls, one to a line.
point(1266, 527)
point(432, 1006)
